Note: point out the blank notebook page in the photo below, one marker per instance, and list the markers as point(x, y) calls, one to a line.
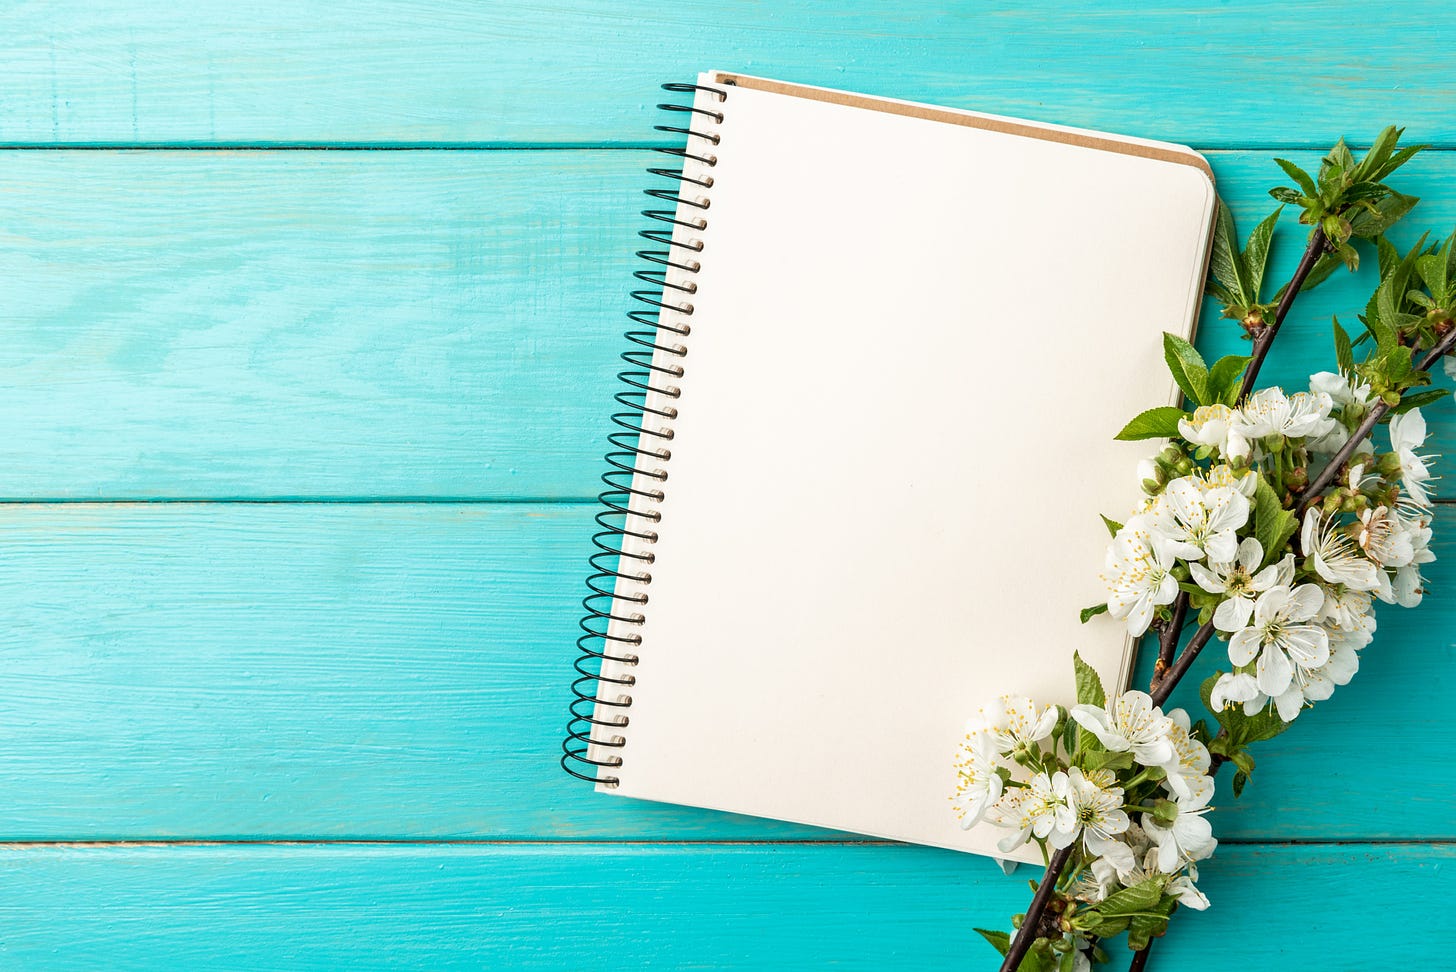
point(912, 342)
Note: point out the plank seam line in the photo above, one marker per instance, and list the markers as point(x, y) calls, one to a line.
point(644, 842)
point(309, 501)
point(344, 501)
point(287, 146)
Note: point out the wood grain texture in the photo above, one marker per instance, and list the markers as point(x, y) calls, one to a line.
point(382, 671)
point(651, 906)
point(384, 324)
point(1233, 74)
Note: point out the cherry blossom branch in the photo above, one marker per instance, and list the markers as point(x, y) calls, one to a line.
point(1168, 672)
point(1169, 633)
point(1265, 335)
point(1377, 412)
point(1027, 933)
point(1195, 645)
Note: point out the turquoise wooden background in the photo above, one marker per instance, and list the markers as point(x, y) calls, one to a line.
point(310, 321)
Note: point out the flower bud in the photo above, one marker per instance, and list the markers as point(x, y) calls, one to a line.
point(1165, 812)
point(1388, 464)
point(1297, 478)
point(1332, 504)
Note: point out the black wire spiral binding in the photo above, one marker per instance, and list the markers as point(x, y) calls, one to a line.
point(625, 524)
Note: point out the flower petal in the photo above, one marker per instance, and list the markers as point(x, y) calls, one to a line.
point(1273, 672)
point(1243, 646)
point(1233, 614)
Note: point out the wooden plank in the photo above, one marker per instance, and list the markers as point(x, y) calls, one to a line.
point(346, 671)
point(593, 906)
point(412, 324)
point(587, 71)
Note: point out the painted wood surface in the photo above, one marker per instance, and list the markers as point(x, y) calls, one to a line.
point(652, 906)
point(1231, 74)
point(382, 324)
point(295, 671)
point(408, 356)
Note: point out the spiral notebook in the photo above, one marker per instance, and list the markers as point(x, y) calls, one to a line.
point(865, 433)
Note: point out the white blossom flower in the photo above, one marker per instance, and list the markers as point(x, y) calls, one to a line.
point(1270, 412)
point(1013, 721)
point(1102, 877)
point(1138, 576)
point(1246, 481)
point(1235, 687)
point(1348, 611)
point(1408, 587)
point(1188, 838)
point(1239, 579)
point(1132, 724)
point(1204, 521)
point(1110, 873)
point(1407, 434)
point(1343, 389)
point(1188, 769)
point(1281, 637)
point(978, 784)
point(1092, 809)
point(1182, 888)
point(1027, 810)
point(1214, 425)
point(1337, 558)
point(1383, 537)
point(1319, 684)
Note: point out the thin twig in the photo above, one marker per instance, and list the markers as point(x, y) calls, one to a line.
point(1377, 412)
point(1027, 933)
point(1168, 638)
point(1140, 958)
point(1263, 341)
point(1180, 667)
point(1264, 338)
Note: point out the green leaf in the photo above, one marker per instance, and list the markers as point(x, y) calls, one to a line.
point(1256, 254)
point(1388, 256)
point(1301, 178)
point(1102, 759)
point(1155, 423)
point(1112, 525)
point(1240, 778)
point(1433, 268)
point(1286, 195)
point(1187, 367)
point(1089, 683)
point(1142, 929)
point(1143, 896)
point(999, 940)
point(1224, 262)
point(1344, 354)
point(1223, 378)
point(1088, 613)
point(1388, 211)
point(1420, 400)
point(1273, 524)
